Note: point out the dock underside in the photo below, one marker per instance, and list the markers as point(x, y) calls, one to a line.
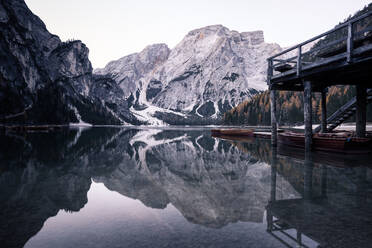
point(327, 73)
point(341, 56)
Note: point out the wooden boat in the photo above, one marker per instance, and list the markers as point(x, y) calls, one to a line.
point(233, 132)
point(334, 142)
point(248, 139)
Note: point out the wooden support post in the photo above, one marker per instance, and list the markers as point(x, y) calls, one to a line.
point(299, 61)
point(361, 112)
point(274, 132)
point(324, 111)
point(349, 45)
point(308, 175)
point(269, 71)
point(308, 115)
point(299, 238)
point(269, 216)
point(274, 162)
point(323, 182)
point(362, 186)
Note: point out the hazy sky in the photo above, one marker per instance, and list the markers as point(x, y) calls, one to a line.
point(114, 28)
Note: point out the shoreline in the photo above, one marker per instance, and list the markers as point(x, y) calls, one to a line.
point(55, 127)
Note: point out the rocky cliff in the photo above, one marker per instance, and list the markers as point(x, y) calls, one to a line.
point(210, 71)
point(49, 78)
point(49, 81)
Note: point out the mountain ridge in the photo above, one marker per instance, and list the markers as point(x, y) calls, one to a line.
point(50, 80)
point(207, 73)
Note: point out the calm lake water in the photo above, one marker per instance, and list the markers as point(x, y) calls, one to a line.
point(126, 187)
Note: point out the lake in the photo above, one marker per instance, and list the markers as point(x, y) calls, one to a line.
point(177, 187)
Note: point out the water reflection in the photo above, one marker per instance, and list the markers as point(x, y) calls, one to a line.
point(334, 210)
point(210, 182)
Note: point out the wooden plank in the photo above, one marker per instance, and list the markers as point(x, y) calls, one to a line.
point(323, 34)
point(324, 111)
point(361, 112)
point(283, 67)
point(349, 46)
point(269, 71)
point(321, 63)
point(289, 60)
point(325, 65)
point(329, 44)
point(299, 60)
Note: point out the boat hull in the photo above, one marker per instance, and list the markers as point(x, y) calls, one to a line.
point(348, 145)
point(233, 132)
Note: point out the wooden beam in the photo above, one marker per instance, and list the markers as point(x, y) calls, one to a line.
point(361, 112)
point(336, 67)
point(274, 132)
point(269, 71)
point(299, 61)
point(323, 182)
point(308, 175)
point(349, 45)
point(299, 238)
point(338, 27)
point(308, 115)
point(324, 111)
point(274, 161)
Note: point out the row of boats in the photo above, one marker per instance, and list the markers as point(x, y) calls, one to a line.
point(340, 142)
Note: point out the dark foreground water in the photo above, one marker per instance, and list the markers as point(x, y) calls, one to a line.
point(112, 187)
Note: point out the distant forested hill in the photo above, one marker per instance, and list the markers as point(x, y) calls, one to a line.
point(289, 107)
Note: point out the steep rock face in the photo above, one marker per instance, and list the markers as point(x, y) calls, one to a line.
point(25, 43)
point(211, 70)
point(213, 64)
point(129, 70)
point(39, 73)
point(112, 97)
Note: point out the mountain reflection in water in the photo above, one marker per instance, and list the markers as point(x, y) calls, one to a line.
point(192, 190)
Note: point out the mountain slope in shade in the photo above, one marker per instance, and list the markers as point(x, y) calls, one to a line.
point(49, 78)
point(210, 71)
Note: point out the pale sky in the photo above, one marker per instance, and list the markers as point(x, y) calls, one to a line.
point(115, 28)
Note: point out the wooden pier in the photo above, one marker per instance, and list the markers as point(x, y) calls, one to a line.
point(341, 56)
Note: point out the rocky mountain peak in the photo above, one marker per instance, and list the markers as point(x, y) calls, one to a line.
point(211, 70)
point(256, 37)
point(127, 71)
point(208, 30)
point(217, 67)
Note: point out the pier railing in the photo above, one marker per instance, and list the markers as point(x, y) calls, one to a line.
point(338, 43)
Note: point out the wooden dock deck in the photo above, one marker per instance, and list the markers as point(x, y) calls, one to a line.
point(341, 56)
point(341, 142)
point(326, 61)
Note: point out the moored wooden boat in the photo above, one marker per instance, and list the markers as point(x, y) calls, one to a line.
point(233, 132)
point(341, 142)
point(234, 137)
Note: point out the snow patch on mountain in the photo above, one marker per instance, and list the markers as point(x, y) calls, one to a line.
point(210, 71)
